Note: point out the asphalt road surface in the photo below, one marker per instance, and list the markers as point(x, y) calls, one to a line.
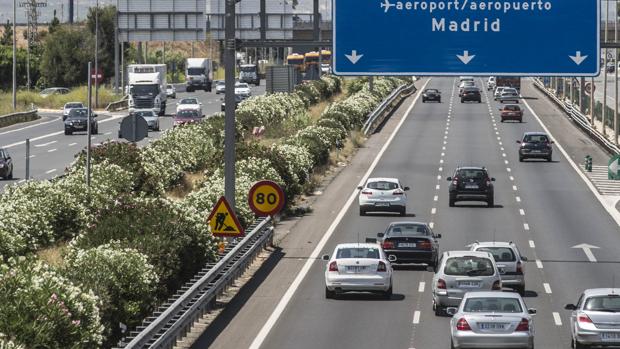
point(51, 151)
point(545, 208)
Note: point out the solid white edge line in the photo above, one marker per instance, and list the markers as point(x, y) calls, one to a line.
point(286, 298)
point(557, 319)
point(52, 150)
point(547, 288)
point(422, 286)
point(611, 210)
point(50, 171)
point(416, 317)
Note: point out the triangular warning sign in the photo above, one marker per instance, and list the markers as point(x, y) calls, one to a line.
point(223, 221)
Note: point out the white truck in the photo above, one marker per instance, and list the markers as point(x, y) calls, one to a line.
point(147, 87)
point(198, 74)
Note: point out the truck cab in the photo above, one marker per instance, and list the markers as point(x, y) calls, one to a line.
point(147, 87)
point(249, 74)
point(199, 74)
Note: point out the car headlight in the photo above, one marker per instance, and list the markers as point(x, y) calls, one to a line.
point(1, 164)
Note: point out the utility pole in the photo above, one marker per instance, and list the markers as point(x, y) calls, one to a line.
point(96, 56)
point(229, 117)
point(90, 79)
point(14, 56)
point(616, 77)
point(605, 71)
point(116, 73)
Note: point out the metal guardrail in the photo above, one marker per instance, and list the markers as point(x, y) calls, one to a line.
point(118, 105)
point(175, 318)
point(579, 118)
point(386, 106)
point(10, 119)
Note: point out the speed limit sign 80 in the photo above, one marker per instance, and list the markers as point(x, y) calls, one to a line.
point(266, 198)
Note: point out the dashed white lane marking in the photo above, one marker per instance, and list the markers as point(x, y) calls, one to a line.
point(431, 224)
point(443, 148)
point(446, 132)
point(557, 319)
point(440, 169)
point(506, 162)
point(416, 317)
point(443, 154)
point(526, 226)
point(511, 178)
point(32, 156)
point(445, 142)
point(518, 199)
point(72, 144)
point(539, 264)
point(500, 143)
point(52, 150)
point(50, 171)
point(508, 169)
point(514, 187)
point(522, 212)
point(435, 198)
point(499, 138)
point(437, 187)
point(422, 286)
point(107, 133)
point(45, 144)
point(532, 244)
point(504, 154)
point(438, 176)
point(445, 137)
point(441, 161)
point(433, 210)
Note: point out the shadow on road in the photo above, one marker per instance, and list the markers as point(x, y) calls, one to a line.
point(358, 296)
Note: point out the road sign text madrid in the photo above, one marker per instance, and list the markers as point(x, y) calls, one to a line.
point(477, 37)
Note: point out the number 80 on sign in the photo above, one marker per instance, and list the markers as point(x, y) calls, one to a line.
point(266, 198)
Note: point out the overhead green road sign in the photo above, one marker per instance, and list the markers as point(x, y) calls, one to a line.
point(613, 168)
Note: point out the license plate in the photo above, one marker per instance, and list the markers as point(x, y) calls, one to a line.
point(382, 204)
point(406, 244)
point(469, 284)
point(471, 186)
point(610, 335)
point(535, 151)
point(491, 326)
point(356, 269)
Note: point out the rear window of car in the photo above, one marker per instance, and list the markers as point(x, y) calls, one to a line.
point(77, 113)
point(512, 108)
point(500, 254)
point(431, 91)
point(357, 252)
point(471, 89)
point(469, 266)
point(188, 101)
point(536, 138)
point(603, 303)
point(471, 173)
point(74, 105)
point(492, 304)
point(382, 185)
point(408, 230)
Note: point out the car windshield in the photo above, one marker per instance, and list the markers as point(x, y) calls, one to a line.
point(535, 139)
point(220, 83)
point(408, 229)
point(78, 113)
point(196, 71)
point(144, 90)
point(471, 89)
point(471, 173)
point(145, 114)
point(241, 85)
point(187, 114)
point(430, 90)
point(48, 91)
point(609, 303)
point(357, 252)
point(469, 266)
point(512, 108)
point(3, 154)
point(382, 185)
point(188, 101)
point(492, 305)
point(248, 69)
point(500, 254)
point(74, 105)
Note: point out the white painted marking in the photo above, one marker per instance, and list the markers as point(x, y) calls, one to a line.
point(440, 168)
point(500, 143)
point(435, 198)
point(438, 176)
point(21, 181)
point(506, 162)
point(107, 133)
point(518, 199)
point(496, 132)
point(547, 288)
point(443, 154)
point(51, 171)
point(532, 244)
point(52, 150)
point(501, 148)
point(286, 298)
point(499, 138)
point(504, 154)
point(32, 156)
point(72, 144)
point(526, 226)
point(508, 169)
point(511, 178)
point(422, 286)
point(514, 187)
point(433, 210)
point(27, 127)
point(431, 224)
point(45, 144)
point(557, 319)
point(437, 187)
point(587, 249)
point(539, 264)
point(416, 317)
point(443, 147)
point(522, 212)
point(441, 161)
point(445, 142)
point(445, 137)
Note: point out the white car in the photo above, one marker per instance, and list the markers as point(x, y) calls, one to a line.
point(358, 267)
point(498, 92)
point(68, 106)
point(491, 83)
point(509, 95)
point(242, 89)
point(151, 118)
point(383, 195)
point(220, 86)
point(191, 103)
point(171, 91)
point(466, 78)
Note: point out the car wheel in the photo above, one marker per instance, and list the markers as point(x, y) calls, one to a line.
point(581, 346)
point(362, 211)
point(452, 344)
point(10, 176)
point(403, 211)
point(68, 132)
point(423, 100)
point(479, 101)
point(502, 120)
point(549, 158)
point(521, 120)
point(388, 294)
point(520, 290)
point(490, 201)
point(461, 100)
point(521, 158)
point(329, 294)
point(452, 200)
point(438, 310)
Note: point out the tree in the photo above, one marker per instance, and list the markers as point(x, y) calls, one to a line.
point(66, 53)
point(54, 24)
point(107, 19)
point(7, 35)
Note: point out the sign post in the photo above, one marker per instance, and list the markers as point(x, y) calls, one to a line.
point(458, 37)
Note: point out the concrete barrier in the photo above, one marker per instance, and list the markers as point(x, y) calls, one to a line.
point(10, 119)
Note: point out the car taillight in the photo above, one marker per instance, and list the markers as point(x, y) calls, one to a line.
point(462, 325)
point(425, 245)
point(497, 285)
point(387, 244)
point(367, 192)
point(381, 266)
point(398, 192)
point(584, 318)
point(333, 266)
point(524, 325)
point(519, 268)
point(441, 284)
point(488, 182)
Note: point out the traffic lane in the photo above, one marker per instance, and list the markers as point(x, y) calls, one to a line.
point(211, 102)
point(473, 139)
point(359, 321)
point(560, 210)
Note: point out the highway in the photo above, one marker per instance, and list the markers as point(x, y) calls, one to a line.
point(545, 208)
point(51, 151)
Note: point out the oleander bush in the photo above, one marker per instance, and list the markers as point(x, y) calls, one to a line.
point(40, 308)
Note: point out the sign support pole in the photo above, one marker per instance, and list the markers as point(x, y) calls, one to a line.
point(90, 79)
point(14, 56)
point(229, 123)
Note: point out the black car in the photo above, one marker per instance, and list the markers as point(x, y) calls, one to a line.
point(471, 94)
point(431, 94)
point(471, 184)
point(6, 164)
point(535, 145)
point(410, 243)
point(77, 121)
point(238, 99)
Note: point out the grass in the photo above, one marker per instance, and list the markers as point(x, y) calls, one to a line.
point(187, 185)
point(80, 94)
point(53, 254)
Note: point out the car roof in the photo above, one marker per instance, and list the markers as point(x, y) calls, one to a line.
point(494, 294)
point(407, 222)
point(467, 253)
point(471, 168)
point(534, 133)
point(382, 179)
point(74, 103)
point(358, 245)
point(493, 243)
point(601, 291)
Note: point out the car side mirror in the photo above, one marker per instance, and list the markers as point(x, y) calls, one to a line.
point(531, 311)
point(451, 311)
point(200, 103)
point(437, 236)
point(449, 178)
point(518, 142)
point(380, 235)
point(392, 258)
point(203, 115)
point(492, 179)
point(523, 258)
point(325, 257)
point(552, 142)
point(406, 188)
point(360, 187)
point(570, 307)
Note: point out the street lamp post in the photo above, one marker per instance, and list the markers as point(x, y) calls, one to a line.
point(14, 56)
point(229, 98)
point(96, 55)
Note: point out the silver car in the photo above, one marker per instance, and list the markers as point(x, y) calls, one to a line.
point(595, 320)
point(151, 118)
point(460, 272)
point(498, 92)
point(509, 95)
point(510, 262)
point(492, 320)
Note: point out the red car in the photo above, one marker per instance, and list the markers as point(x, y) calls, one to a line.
point(187, 116)
point(511, 112)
